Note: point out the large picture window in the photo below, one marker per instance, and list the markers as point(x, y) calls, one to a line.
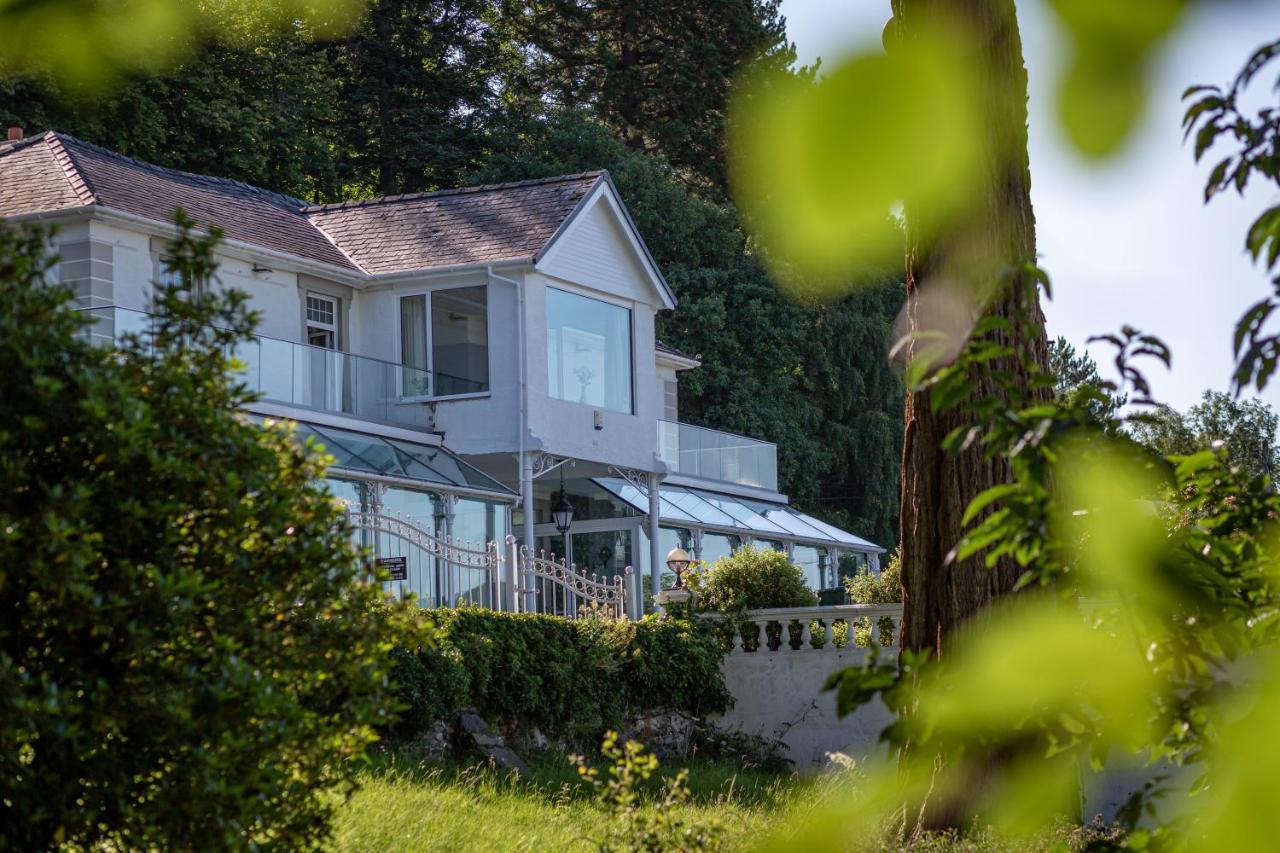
point(445, 332)
point(588, 351)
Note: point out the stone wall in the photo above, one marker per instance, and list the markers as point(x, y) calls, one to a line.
point(778, 694)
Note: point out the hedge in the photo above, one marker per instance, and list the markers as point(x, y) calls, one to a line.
point(567, 678)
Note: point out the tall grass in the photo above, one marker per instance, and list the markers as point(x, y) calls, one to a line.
point(411, 805)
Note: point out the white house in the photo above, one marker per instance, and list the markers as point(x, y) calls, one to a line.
point(461, 354)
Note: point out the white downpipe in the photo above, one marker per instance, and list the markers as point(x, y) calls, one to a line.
point(655, 547)
point(524, 462)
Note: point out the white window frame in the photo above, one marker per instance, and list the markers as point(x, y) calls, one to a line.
point(199, 286)
point(334, 327)
point(426, 292)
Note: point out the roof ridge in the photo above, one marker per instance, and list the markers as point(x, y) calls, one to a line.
point(479, 188)
point(290, 201)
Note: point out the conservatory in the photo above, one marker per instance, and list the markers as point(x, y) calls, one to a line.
point(401, 491)
point(610, 529)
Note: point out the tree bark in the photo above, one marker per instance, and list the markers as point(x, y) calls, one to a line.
point(999, 226)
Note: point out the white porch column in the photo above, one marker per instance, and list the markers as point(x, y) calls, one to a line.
point(655, 547)
point(873, 563)
point(526, 506)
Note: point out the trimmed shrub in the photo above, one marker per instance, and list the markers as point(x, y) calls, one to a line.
point(189, 650)
point(431, 684)
point(751, 579)
point(866, 588)
point(568, 678)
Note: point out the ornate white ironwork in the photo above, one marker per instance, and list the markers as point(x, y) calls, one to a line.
point(441, 569)
point(638, 479)
point(559, 587)
point(545, 463)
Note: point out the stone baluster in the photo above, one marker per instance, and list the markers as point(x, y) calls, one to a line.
point(828, 635)
point(806, 637)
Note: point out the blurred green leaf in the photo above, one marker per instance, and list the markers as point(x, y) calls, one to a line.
point(1102, 94)
point(91, 45)
point(819, 166)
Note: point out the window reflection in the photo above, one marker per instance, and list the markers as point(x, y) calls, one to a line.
point(588, 351)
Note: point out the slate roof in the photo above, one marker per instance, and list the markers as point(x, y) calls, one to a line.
point(500, 222)
point(95, 175)
point(484, 224)
point(33, 179)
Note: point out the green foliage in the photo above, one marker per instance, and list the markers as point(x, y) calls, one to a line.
point(885, 588)
point(1244, 429)
point(189, 657)
point(574, 678)
point(657, 72)
point(91, 46)
point(431, 684)
point(1076, 375)
point(637, 829)
point(751, 579)
point(404, 804)
point(818, 164)
point(1102, 92)
point(1148, 581)
point(1216, 112)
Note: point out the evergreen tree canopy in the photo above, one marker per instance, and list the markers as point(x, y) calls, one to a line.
point(657, 72)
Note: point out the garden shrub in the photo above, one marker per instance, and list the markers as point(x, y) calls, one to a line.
point(567, 678)
point(866, 588)
point(431, 684)
point(188, 648)
point(751, 579)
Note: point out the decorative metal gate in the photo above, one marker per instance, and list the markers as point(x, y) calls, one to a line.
point(438, 571)
point(553, 586)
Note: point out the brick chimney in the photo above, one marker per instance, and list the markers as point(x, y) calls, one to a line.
point(15, 134)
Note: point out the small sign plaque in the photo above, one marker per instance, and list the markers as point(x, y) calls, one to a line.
point(397, 567)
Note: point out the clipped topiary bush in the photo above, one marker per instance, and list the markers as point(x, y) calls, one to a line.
point(189, 651)
point(751, 579)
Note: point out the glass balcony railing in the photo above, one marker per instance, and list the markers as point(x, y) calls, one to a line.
point(305, 376)
point(715, 455)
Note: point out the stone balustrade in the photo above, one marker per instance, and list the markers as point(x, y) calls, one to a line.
point(827, 629)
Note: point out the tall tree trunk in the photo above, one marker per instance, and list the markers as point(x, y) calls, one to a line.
point(999, 228)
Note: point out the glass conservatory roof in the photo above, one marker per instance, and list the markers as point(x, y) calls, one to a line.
point(683, 506)
point(393, 457)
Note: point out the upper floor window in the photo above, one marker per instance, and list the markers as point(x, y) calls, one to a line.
point(588, 351)
point(446, 332)
point(171, 276)
point(322, 321)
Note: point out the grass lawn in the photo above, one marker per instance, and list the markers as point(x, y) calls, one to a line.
point(406, 804)
point(409, 805)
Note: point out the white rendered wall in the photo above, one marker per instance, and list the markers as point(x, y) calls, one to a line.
point(476, 424)
point(779, 695)
point(568, 429)
point(135, 266)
